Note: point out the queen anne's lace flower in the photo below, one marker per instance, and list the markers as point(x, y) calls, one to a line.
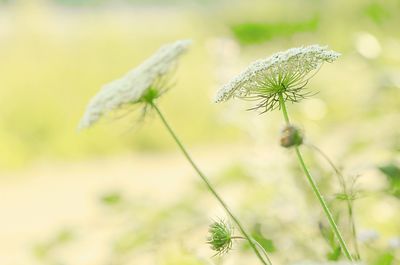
point(135, 85)
point(285, 73)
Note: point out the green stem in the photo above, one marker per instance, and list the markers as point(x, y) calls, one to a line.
point(348, 199)
point(315, 188)
point(323, 204)
point(259, 245)
point(284, 110)
point(208, 184)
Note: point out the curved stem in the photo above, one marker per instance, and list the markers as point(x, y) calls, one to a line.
point(348, 199)
point(259, 246)
point(208, 184)
point(315, 188)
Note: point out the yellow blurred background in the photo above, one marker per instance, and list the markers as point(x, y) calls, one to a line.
point(120, 193)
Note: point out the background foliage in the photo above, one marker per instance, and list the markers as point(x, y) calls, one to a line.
point(54, 55)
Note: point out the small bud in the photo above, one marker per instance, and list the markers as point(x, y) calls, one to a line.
point(291, 136)
point(220, 238)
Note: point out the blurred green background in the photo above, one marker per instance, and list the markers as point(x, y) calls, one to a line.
point(55, 55)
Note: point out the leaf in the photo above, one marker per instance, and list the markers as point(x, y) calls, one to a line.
point(385, 259)
point(266, 243)
point(392, 173)
point(252, 33)
point(376, 12)
point(335, 251)
point(111, 198)
point(335, 254)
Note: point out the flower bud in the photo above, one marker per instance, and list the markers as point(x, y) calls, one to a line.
point(291, 136)
point(220, 238)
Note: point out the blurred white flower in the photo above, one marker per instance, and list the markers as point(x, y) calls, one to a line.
point(367, 45)
point(285, 73)
point(394, 242)
point(366, 236)
point(135, 85)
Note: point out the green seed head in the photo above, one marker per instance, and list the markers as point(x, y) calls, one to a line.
point(220, 238)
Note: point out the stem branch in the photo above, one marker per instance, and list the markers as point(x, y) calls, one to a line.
point(259, 246)
point(315, 188)
point(208, 184)
point(348, 198)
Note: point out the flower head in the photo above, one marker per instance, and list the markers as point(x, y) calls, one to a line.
point(284, 73)
point(142, 84)
point(220, 238)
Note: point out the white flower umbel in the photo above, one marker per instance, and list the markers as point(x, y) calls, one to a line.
point(285, 73)
point(139, 85)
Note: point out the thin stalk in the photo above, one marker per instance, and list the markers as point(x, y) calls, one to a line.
point(348, 199)
point(315, 188)
point(259, 245)
point(323, 204)
point(208, 184)
point(284, 110)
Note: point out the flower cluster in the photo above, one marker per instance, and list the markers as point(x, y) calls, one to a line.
point(284, 73)
point(142, 84)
